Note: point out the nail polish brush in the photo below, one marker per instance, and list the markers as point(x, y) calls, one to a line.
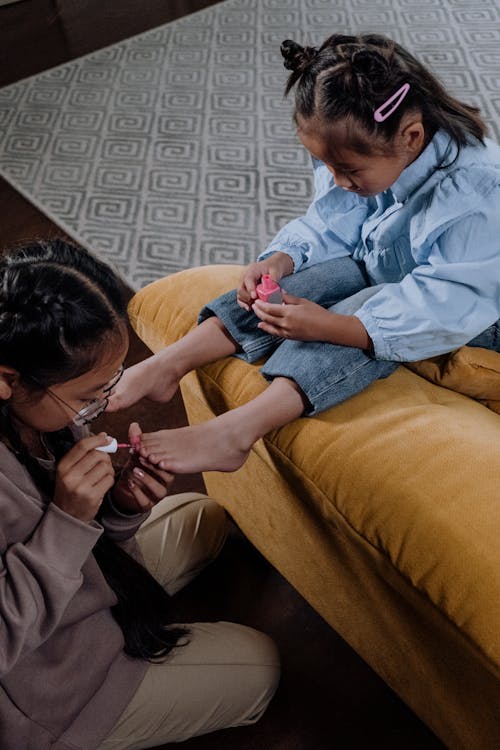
point(113, 446)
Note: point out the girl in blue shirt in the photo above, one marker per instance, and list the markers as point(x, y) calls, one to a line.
point(397, 258)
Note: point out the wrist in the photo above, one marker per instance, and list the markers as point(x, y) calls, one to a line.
point(122, 501)
point(286, 264)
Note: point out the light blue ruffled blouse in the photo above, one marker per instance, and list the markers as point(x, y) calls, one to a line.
point(433, 239)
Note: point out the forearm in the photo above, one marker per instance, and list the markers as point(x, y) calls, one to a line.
point(39, 577)
point(347, 330)
point(279, 264)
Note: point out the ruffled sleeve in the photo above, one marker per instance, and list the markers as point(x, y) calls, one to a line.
point(454, 292)
point(330, 229)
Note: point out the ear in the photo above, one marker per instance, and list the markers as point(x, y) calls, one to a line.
point(9, 378)
point(413, 135)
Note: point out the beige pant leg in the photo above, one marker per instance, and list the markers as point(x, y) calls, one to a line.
point(224, 677)
point(181, 536)
point(226, 674)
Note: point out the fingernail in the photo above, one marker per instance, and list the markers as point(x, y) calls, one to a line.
point(137, 472)
point(131, 484)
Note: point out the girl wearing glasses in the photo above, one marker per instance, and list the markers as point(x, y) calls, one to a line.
point(88, 656)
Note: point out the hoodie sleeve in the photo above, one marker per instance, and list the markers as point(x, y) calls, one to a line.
point(330, 229)
point(40, 568)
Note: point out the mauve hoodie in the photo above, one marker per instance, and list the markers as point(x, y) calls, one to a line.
point(64, 678)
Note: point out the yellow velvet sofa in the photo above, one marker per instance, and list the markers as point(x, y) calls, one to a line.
point(383, 512)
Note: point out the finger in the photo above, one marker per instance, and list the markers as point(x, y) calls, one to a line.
point(272, 329)
point(150, 486)
point(247, 289)
point(88, 471)
point(83, 448)
point(290, 299)
point(97, 473)
point(265, 317)
point(91, 490)
point(143, 501)
point(87, 483)
point(249, 284)
point(104, 484)
point(164, 477)
point(242, 302)
point(272, 309)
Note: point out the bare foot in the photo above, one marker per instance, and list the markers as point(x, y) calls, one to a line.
point(210, 446)
point(153, 378)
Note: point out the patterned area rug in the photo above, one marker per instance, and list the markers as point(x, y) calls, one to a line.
point(175, 148)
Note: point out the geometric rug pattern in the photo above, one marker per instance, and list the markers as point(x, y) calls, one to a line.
point(175, 148)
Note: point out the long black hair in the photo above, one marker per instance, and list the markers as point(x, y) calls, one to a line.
point(351, 76)
point(59, 308)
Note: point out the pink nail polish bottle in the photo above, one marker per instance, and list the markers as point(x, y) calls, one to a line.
point(269, 290)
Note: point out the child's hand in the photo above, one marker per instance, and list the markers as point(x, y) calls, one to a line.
point(83, 477)
point(303, 320)
point(277, 266)
point(298, 319)
point(140, 484)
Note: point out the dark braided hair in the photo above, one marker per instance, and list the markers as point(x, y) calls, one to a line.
point(349, 77)
point(59, 307)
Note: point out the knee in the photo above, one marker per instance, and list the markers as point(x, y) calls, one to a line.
point(265, 689)
point(182, 537)
point(204, 527)
point(212, 523)
point(262, 675)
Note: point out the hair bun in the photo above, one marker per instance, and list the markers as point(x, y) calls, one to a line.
point(370, 63)
point(297, 57)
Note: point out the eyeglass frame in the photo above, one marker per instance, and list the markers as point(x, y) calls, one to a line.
point(96, 406)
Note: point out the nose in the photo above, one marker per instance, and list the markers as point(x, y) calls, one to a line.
point(341, 179)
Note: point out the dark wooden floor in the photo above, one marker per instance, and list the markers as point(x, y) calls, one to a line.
point(329, 698)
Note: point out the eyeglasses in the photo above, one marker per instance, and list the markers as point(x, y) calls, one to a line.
point(93, 408)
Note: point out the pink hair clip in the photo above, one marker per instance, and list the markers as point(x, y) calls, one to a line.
point(379, 115)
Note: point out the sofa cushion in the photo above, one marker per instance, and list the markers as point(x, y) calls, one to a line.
point(470, 370)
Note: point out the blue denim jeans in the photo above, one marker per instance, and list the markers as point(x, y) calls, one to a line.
point(326, 373)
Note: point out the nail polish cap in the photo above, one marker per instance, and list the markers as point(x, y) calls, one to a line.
point(111, 447)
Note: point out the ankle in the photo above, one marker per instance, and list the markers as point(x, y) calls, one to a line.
point(170, 363)
point(238, 432)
